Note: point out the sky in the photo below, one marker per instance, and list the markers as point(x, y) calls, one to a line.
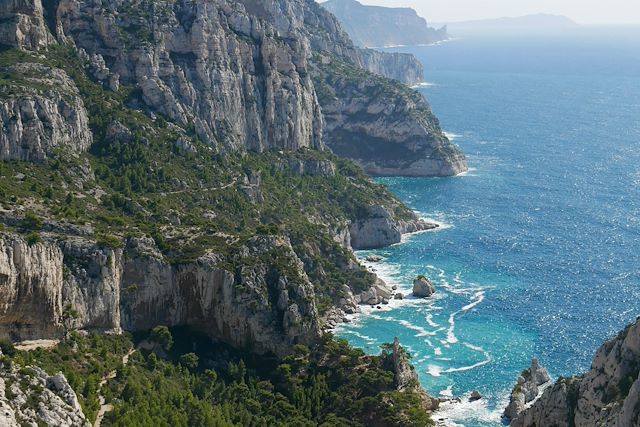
point(588, 12)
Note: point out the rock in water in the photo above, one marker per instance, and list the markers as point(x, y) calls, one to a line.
point(422, 287)
point(475, 395)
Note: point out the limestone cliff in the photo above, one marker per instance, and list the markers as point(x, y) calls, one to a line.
point(375, 26)
point(401, 138)
point(197, 123)
point(238, 75)
point(40, 111)
point(403, 67)
point(606, 395)
point(260, 306)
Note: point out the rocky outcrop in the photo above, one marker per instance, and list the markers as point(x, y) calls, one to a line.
point(50, 287)
point(54, 286)
point(385, 138)
point(23, 25)
point(29, 396)
point(379, 293)
point(607, 395)
point(239, 80)
point(258, 307)
point(423, 287)
point(379, 228)
point(399, 66)
point(375, 26)
point(527, 389)
point(40, 111)
point(406, 377)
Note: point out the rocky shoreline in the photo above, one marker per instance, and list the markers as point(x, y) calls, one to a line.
point(380, 294)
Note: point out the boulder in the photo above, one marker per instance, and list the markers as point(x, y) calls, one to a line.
point(422, 287)
point(475, 395)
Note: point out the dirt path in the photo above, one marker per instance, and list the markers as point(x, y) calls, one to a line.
point(35, 344)
point(106, 407)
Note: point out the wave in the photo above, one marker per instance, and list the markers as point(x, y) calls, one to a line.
point(479, 298)
point(463, 413)
point(422, 332)
point(434, 370)
point(430, 321)
point(452, 136)
point(423, 85)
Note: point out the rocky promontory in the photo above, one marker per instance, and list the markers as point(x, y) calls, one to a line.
point(608, 394)
point(376, 26)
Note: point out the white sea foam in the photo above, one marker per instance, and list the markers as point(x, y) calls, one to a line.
point(447, 392)
point(451, 336)
point(437, 351)
point(479, 298)
point(459, 414)
point(423, 85)
point(422, 332)
point(452, 136)
point(430, 321)
point(434, 370)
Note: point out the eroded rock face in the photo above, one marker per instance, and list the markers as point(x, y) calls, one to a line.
point(262, 307)
point(403, 67)
point(23, 25)
point(607, 395)
point(259, 307)
point(39, 281)
point(57, 403)
point(400, 138)
point(527, 389)
point(379, 228)
point(241, 81)
point(39, 113)
point(406, 377)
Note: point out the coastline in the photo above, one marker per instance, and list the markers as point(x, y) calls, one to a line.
point(452, 407)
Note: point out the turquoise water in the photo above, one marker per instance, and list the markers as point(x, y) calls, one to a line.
point(539, 254)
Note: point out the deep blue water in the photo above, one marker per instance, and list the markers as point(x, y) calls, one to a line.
point(541, 252)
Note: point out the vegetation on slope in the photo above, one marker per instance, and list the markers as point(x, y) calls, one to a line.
point(331, 385)
point(139, 180)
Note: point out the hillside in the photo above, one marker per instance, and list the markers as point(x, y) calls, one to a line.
point(168, 164)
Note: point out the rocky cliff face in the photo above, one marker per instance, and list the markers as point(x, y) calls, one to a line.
point(403, 67)
point(378, 228)
point(607, 395)
point(374, 26)
point(179, 96)
point(40, 111)
point(24, 25)
point(385, 138)
point(527, 389)
point(240, 81)
point(262, 306)
point(239, 75)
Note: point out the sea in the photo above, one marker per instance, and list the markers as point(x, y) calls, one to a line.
point(538, 253)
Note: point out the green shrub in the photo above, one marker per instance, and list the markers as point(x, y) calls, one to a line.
point(33, 238)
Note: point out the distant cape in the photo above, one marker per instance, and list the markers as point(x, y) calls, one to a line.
point(376, 26)
point(540, 23)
